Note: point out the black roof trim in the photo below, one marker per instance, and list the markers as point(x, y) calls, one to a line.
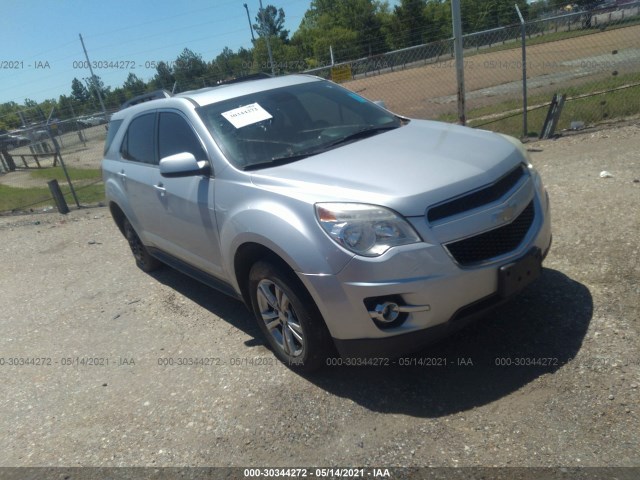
point(246, 78)
point(146, 97)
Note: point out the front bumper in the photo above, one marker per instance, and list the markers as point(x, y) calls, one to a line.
point(419, 275)
point(389, 347)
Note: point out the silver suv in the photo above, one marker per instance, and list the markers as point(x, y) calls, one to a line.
point(339, 224)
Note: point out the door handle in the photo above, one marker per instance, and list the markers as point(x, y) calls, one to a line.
point(160, 188)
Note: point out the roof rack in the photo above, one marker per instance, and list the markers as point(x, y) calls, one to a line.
point(147, 97)
point(246, 78)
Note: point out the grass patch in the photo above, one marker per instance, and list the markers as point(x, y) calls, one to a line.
point(591, 109)
point(15, 198)
point(548, 37)
point(12, 198)
point(93, 193)
point(74, 173)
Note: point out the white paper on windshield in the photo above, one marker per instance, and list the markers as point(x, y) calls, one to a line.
point(247, 115)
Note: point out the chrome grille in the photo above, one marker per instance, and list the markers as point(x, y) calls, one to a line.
point(496, 242)
point(478, 198)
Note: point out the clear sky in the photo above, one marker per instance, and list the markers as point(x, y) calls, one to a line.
point(40, 51)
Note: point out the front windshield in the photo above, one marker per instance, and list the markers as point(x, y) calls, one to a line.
point(289, 123)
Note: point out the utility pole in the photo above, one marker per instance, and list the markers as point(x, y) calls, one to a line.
point(89, 83)
point(93, 78)
point(457, 47)
point(253, 38)
point(273, 67)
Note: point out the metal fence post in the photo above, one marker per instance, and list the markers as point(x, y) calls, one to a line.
point(56, 147)
point(457, 46)
point(58, 197)
point(523, 27)
point(8, 160)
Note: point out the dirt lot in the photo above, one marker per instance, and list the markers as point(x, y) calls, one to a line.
point(430, 90)
point(101, 330)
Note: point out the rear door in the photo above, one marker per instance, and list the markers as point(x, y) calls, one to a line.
point(134, 172)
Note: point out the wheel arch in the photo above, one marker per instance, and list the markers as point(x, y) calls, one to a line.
point(247, 255)
point(118, 216)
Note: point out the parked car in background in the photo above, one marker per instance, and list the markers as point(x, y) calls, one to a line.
point(10, 140)
point(92, 121)
point(35, 133)
point(341, 225)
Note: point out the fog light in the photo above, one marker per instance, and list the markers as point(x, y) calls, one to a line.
point(390, 311)
point(386, 312)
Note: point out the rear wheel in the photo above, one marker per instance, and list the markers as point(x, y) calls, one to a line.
point(288, 317)
point(144, 260)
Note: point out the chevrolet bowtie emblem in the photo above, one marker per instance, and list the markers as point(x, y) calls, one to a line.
point(507, 214)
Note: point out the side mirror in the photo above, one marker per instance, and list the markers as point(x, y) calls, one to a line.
point(183, 165)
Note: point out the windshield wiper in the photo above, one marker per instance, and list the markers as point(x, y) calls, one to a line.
point(274, 162)
point(363, 133)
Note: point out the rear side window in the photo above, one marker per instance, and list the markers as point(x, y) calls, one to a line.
point(113, 128)
point(138, 143)
point(175, 135)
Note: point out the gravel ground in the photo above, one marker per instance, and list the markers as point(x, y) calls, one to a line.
point(71, 292)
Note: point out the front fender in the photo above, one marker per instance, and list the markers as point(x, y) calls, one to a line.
point(291, 232)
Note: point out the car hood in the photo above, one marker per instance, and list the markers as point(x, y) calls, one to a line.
point(406, 169)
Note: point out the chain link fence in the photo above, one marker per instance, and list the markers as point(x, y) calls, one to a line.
point(32, 156)
point(592, 57)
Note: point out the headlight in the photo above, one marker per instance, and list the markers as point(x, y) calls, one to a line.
point(367, 230)
point(526, 160)
point(535, 175)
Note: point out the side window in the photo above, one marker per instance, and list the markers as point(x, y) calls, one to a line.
point(114, 126)
point(138, 141)
point(176, 136)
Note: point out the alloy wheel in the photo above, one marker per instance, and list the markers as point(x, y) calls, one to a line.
point(280, 318)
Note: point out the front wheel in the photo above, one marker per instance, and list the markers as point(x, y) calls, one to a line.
point(288, 317)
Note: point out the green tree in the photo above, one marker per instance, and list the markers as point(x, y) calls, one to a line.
point(9, 115)
point(286, 57)
point(48, 106)
point(351, 27)
point(536, 9)
point(164, 77)
point(190, 70)
point(133, 85)
point(78, 91)
point(438, 14)
point(67, 107)
point(117, 97)
point(271, 23)
point(229, 64)
point(28, 103)
point(96, 84)
point(410, 24)
point(480, 15)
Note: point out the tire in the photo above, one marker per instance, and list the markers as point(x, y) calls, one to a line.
point(144, 260)
point(288, 318)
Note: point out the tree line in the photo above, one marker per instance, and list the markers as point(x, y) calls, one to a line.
point(346, 29)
